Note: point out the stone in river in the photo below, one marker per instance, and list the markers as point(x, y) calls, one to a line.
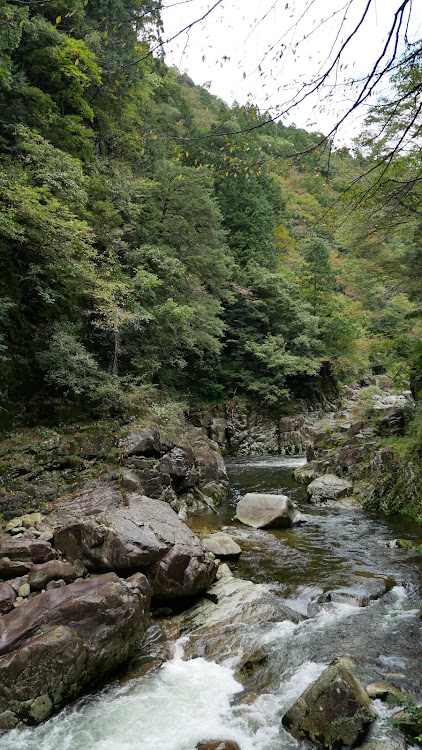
point(333, 711)
point(222, 546)
point(267, 511)
point(328, 489)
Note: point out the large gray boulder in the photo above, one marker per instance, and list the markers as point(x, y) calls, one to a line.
point(147, 536)
point(263, 511)
point(328, 489)
point(65, 639)
point(333, 711)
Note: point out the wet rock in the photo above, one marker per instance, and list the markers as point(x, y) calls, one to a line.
point(144, 442)
point(334, 711)
point(222, 546)
point(261, 511)
point(328, 489)
point(391, 743)
point(363, 593)
point(229, 607)
point(7, 598)
point(145, 536)
point(218, 745)
point(63, 640)
point(40, 575)
point(384, 692)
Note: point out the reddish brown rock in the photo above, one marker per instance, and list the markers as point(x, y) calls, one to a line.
point(146, 536)
point(40, 575)
point(7, 597)
point(182, 573)
point(26, 549)
point(65, 639)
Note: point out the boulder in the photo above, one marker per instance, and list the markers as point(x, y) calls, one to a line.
point(267, 511)
point(7, 598)
point(18, 555)
point(145, 536)
point(26, 548)
point(328, 489)
point(218, 745)
point(222, 546)
point(65, 639)
point(53, 570)
point(144, 442)
point(333, 711)
point(305, 474)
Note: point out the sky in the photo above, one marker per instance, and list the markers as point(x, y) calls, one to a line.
point(263, 51)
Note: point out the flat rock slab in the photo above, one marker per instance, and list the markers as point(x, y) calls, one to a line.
point(333, 711)
point(328, 489)
point(222, 546)
point(261, 511)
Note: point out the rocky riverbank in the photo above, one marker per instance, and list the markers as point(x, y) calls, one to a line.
point(357, 454)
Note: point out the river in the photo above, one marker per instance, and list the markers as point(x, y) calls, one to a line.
point(188, 700)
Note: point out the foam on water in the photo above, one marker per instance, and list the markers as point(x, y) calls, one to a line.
point(185, 702)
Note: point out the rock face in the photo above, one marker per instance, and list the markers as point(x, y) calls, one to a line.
point(328, 489)
point(222, 546)
point(146, 536)
point(333, 711)
point(249, 431)
point(267, 511)
point(65, 639)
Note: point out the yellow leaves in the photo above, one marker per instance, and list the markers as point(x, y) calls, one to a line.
point(180, 177)
point(76, 62)
point(154, 137)
point(58, 19)
point(187, 154)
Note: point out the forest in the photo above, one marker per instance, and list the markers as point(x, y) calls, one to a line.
point(156, 241)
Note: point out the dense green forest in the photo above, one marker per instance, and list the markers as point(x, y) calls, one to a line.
point(152, 237)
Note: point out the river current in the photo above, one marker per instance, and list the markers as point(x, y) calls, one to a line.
point(188, 700)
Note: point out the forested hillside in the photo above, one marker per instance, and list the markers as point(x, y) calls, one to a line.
point(153, 237)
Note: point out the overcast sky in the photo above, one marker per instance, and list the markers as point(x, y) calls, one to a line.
point(263, 50)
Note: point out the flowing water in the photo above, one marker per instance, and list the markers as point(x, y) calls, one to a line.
point(188, 700)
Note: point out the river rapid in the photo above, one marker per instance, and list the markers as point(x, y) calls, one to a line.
point(188, 700)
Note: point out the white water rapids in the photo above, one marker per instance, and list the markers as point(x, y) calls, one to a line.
point(187, 701)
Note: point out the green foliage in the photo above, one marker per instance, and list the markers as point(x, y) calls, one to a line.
point(151, 236)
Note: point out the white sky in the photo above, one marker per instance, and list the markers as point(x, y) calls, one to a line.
point(261, 50)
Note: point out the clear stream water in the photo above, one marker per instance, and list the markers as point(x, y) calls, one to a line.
point(188, 700)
